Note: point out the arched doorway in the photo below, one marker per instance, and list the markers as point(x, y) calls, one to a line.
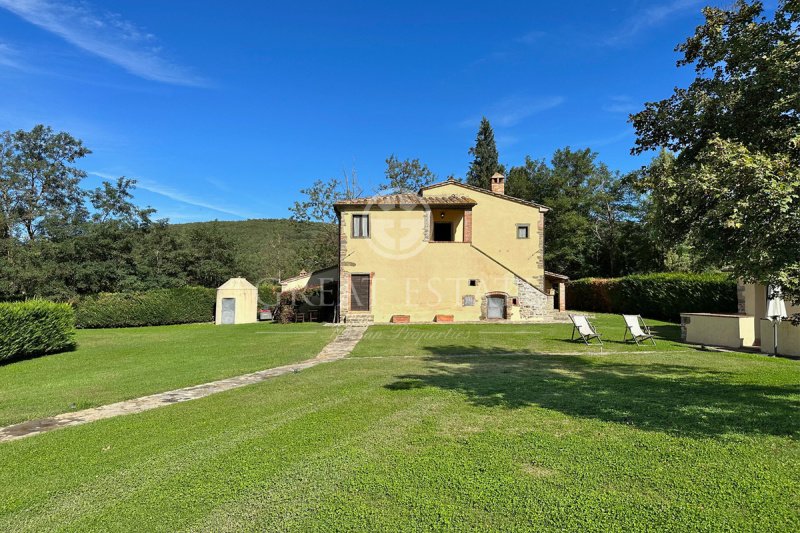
point(496, 306)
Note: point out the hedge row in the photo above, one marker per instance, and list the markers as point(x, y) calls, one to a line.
point(35, 327)
point(152, 308)
point(663, 296)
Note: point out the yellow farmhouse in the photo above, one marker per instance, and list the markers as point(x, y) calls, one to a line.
point(450, 252)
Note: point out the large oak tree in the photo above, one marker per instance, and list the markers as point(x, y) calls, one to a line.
point(734, 186)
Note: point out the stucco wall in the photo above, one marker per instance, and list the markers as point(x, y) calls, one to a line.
point(418, 278)
point(246, 305)
point(494, 231)
point(788, 338)
point(314, 279)
point(295, 284)
point(732, 331)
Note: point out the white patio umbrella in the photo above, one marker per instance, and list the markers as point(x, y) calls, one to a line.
point(776, 311)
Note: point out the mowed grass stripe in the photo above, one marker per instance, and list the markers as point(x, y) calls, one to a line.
point(172, 442)
point(499, 442)
point(440, 339)
point(120, 364)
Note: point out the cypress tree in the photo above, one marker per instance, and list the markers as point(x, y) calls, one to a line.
point(485, 158)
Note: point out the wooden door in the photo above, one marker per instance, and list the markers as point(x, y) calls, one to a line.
point(359, 292)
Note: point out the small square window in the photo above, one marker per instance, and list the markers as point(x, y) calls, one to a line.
point(523, 231)
point(473, 283)
point(361, 226)
point(469, 300)
point(513, 301)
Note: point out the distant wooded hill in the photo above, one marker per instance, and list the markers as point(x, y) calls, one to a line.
point(271, 248)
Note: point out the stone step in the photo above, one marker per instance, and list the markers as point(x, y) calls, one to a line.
point(359, 319)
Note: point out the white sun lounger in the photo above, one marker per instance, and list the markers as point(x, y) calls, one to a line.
point(634, 324)
point(584, 328)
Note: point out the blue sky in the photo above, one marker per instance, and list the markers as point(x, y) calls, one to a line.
point(225, 111)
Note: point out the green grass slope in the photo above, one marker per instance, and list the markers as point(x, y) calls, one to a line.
point(625, 441)
point(111, 365)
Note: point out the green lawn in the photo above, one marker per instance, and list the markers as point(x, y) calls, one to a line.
point(674, 439)
point(116, 364)
point(498, 339)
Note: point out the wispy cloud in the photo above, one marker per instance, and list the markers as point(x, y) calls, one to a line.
point(106, 35)
point(512, 48)
point(621, 104)
point(513, 110)
point(649, 17)
point(530, 38)
point(219, 184)
point(606, 141)
point(9, 57)
point(506, 140)
point(178, 196)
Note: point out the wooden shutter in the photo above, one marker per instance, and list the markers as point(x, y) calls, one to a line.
point(359, 292)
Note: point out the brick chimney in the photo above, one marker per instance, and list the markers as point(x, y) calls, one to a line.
point(498, 183)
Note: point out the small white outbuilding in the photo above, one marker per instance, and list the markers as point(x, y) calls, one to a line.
point(237, 302)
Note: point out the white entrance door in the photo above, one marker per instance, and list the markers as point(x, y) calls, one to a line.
point(496, 307)
point(229, 310)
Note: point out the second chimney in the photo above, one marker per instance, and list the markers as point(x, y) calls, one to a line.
point(498, 183)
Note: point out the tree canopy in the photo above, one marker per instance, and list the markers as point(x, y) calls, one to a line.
point(595, 226)
point(733, 187)
point(409, 175)
point(60, 240)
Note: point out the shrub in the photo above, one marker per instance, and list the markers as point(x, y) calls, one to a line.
point(152, 308)
point(300, 300)
point(35, 327)
point(268, 294)
point(663, 296)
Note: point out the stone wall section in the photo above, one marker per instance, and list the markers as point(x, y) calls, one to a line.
point(540, 257)
point(344, 276)
point(533, 303)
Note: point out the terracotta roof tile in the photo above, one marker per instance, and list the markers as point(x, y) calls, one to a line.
point(409, 199)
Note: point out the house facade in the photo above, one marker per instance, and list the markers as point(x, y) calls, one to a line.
point(450, 252)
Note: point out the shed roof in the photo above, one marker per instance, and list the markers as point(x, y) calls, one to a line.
point(304, 274)
point(237, 283)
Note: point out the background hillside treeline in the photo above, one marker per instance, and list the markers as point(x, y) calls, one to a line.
point(110, 257)
point(59, 240)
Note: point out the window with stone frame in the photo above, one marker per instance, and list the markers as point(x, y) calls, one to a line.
point(361, 226)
